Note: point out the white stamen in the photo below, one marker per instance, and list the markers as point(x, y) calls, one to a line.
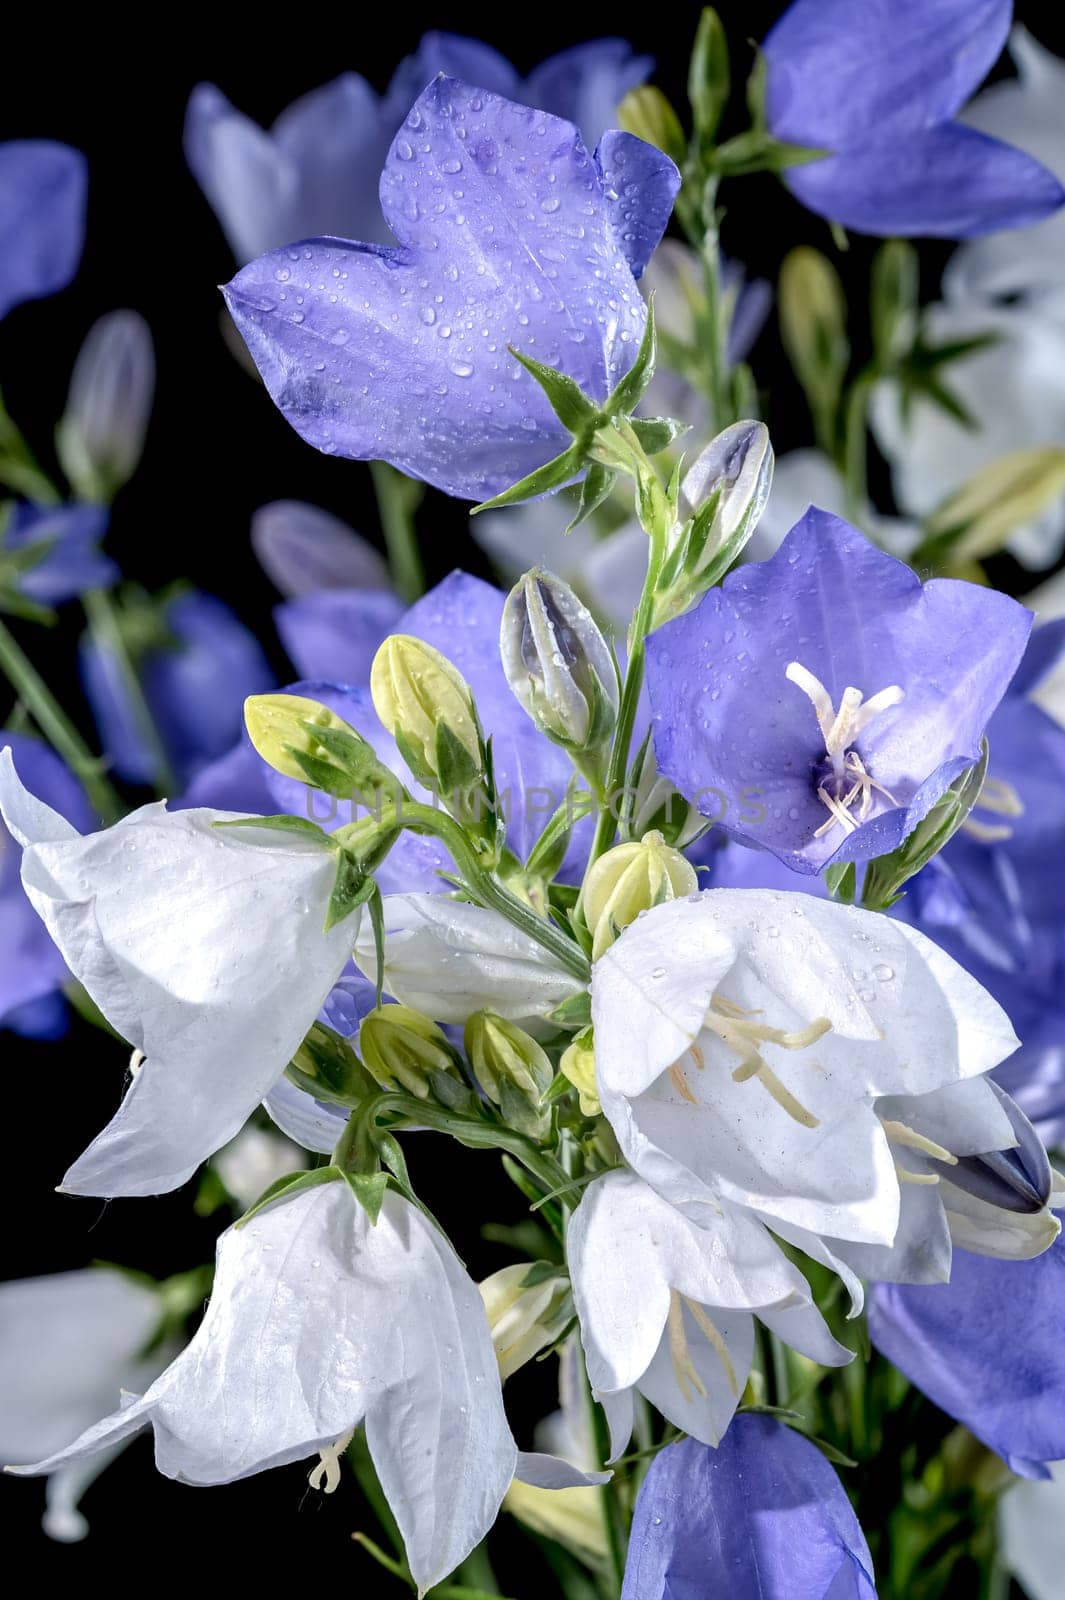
point(839, 729)
point(688, 1380)
point(326, 1475)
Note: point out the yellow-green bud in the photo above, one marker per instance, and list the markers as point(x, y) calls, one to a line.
point(327, 1067)
point(557, 662)
point(403, 1049)
point(578, 1065)
point(303, 739)
point(647, 113)
point(512, 1069)
point(427, 706)
point(813, 322)
point(525, 1317)
point(629, 879)
point(978, 518)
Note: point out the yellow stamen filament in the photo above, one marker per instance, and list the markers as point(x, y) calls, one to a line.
point(688, 1380)
point(916, 1177)
point(1002, 800)
point(899, 1133)
point(729, 1022)
point(681, 1084)
point(715, 1341)
point(326, 1475)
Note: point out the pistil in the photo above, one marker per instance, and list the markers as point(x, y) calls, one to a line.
point(846, 784)
point(326, 1475)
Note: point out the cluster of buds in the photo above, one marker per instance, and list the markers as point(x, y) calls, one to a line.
point(402, 1049)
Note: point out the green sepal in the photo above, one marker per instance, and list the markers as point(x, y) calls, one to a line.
point(323, 775)
point(284, 1188)
point(708, 77)
point(375, 907)
point(628, 393)
point(568, 401)
point(552, 475)
point(284, 824)
point(351, 888)
point(657, 433)
point(886, 875)
point(369, 1190)
point(452, 1093)
point(354, 754)
point(540, 1272)
point(598, 482)
point(326, 1067)
point(757, 151)
point(841, 881)
point(574, 1012)
point(518, 1112)
point(456, 769)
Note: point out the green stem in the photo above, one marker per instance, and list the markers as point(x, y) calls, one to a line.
point(487, 889)
point(18, 466)
point(106, 632)
point(57, 727)
point(397, 498)
point(855, 449)
point(614, 1520)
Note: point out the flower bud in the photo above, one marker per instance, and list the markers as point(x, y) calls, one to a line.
point(729, 485)
point(101, 435)
point(511, 1068)
point(404, 1049)
point(303, 739)
point(813, 323)
point(525, 1316)
point(327, 1067)
point(427, 706)
point(629, 879)
point(558, 664)
point(647, 113)
point(578, 1065)
point(977, 519)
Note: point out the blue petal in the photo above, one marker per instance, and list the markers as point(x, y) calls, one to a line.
point(456, 57)
point(641, 185)
point(845, 71)
point(586, 84)
point(335, 633)
point(401, 354)
point(233, 782)
point(987, 1348)
point(42, 218)
point(948, 182)
point(762, 1517)
point(71, 562)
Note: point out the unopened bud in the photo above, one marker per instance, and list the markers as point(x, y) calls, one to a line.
point(528, 1307)
point(558, 664)
point(303, 739)
point(101, 435)
point(813, 322)
point(404, 1049)
point(999, 1203)
point(647, 113)
point(729, 484)
point(578, 1065)
point(326, 1067)
point(512, 1069)
point(979, 517)
point(427, 706)
point(629, 879)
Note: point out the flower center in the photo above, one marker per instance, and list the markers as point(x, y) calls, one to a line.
point(734, 1028)
point(844, 786)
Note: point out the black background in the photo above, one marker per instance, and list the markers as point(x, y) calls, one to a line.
point(216, 450)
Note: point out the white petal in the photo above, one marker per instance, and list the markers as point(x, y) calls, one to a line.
point(1032, 1525)
point(921, 1249)
point(705, 1416)
point(989, 1230)
point(255, 1159)
point(552, 1472)
point(965, 1118)
point(309, 1122)
point(204, 947)
point(69, 1343)
point(448, 959)
point(438, 1437)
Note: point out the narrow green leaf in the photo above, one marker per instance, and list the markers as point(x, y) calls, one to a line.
point(552, 475)
point(709, 80)
point(285, 1188)
point(284, 824)
point(598, 482)
point(633, 386)
point(568, 401)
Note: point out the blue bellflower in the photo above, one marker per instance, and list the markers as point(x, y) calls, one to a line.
point(315, 172)
point(43, 186)
point(33, 972)
point(987, 1349)
point(878, 84)
point(762, 1517)
point(510, 234)
point(195, 684)
point(62, 545)
point(819, 703)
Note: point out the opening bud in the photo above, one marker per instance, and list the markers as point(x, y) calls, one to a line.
point(428, 708)
point(629, 879)
point(558, 664)
point(528, 1305)
point(512, 1069)
point(327, 1067)
point(403, 1049)
point(658, 805)
point(303, 739)
point(578, 1065)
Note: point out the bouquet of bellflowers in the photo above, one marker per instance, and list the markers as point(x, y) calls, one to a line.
point(708, 874)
